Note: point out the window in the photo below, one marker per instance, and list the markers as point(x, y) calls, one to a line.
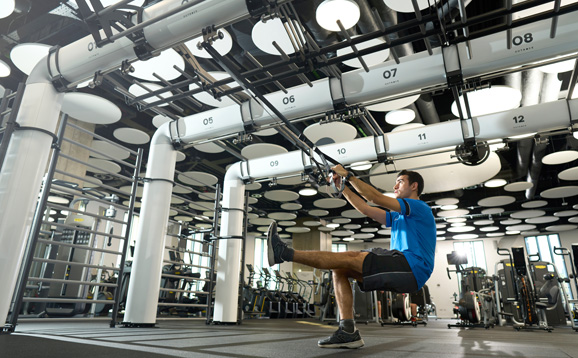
point(338, 247)
point(474, 251)
point(260, 261)
point(198, 253)
point(542, 248)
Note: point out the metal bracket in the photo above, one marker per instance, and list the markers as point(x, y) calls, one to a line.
point(210, 35)
point(96, 80)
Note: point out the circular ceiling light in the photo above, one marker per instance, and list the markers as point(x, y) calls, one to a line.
point(490, 100)
point(264, 33)
point(518, 186)
point(496, 201)
point(569, 174)
point(162, 65)
point(25, 56)
point(131, 135)
point(449, 207)
point(307, 192)
point(365, 165)
point(222, 46)
point(405, 5)
point(160, 119)
point(447, 201)
point(561, 157)
point(400, 116)
point(7, 8)
point(329, 11)
point(4, 69)
point(90, 108)
point(456, 220)
point(370, 59)
point(465, 236)
point(328, 133)
point(494, 183)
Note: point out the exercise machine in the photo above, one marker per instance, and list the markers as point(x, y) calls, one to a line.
point(571, 303)
point(529, 302)
point(475, 306)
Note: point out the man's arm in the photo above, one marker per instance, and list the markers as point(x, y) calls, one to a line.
point(368, 191)
point(360, 205)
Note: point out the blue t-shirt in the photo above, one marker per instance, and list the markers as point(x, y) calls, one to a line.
point(413, 232)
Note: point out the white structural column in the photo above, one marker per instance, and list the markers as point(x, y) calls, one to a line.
point(143, 293)
point(21, 177)
point(229, 258)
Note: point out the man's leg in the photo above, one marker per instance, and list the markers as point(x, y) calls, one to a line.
point(325, 260)
point(344, 265)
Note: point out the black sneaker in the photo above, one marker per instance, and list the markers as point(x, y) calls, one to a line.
point(275, 246)
point(342, 339)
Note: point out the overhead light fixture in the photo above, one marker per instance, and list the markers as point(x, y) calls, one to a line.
point(494, 183)
point(489, 100)
point(465, 236)
point(348, 239)
point(365, 165)
point(26, 55)
point(7, 8)
point(4, 69)
point(449, 207)
point(456, 220)
point(329, 11)
point(264, 33)
point(400, 116)
point(308, 191)
point(333, 225)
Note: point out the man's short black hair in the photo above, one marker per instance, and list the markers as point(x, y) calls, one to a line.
point(413, 177)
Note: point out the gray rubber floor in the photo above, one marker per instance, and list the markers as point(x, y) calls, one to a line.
point(279, 338)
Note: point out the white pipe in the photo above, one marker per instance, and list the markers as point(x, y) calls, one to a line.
point(79, 60)
point(190, 22)
point(229, 254)
point(21, 176)
point(145, 278)
point(434, 136)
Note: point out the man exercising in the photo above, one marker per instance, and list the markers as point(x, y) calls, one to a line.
point(404, 268)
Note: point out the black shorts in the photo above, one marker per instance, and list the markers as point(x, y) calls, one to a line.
point(387, 270)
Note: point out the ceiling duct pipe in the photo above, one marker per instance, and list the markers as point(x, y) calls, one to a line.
point(427, 108)
point(389, 18)
point(547, 90)
point(535, 168)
